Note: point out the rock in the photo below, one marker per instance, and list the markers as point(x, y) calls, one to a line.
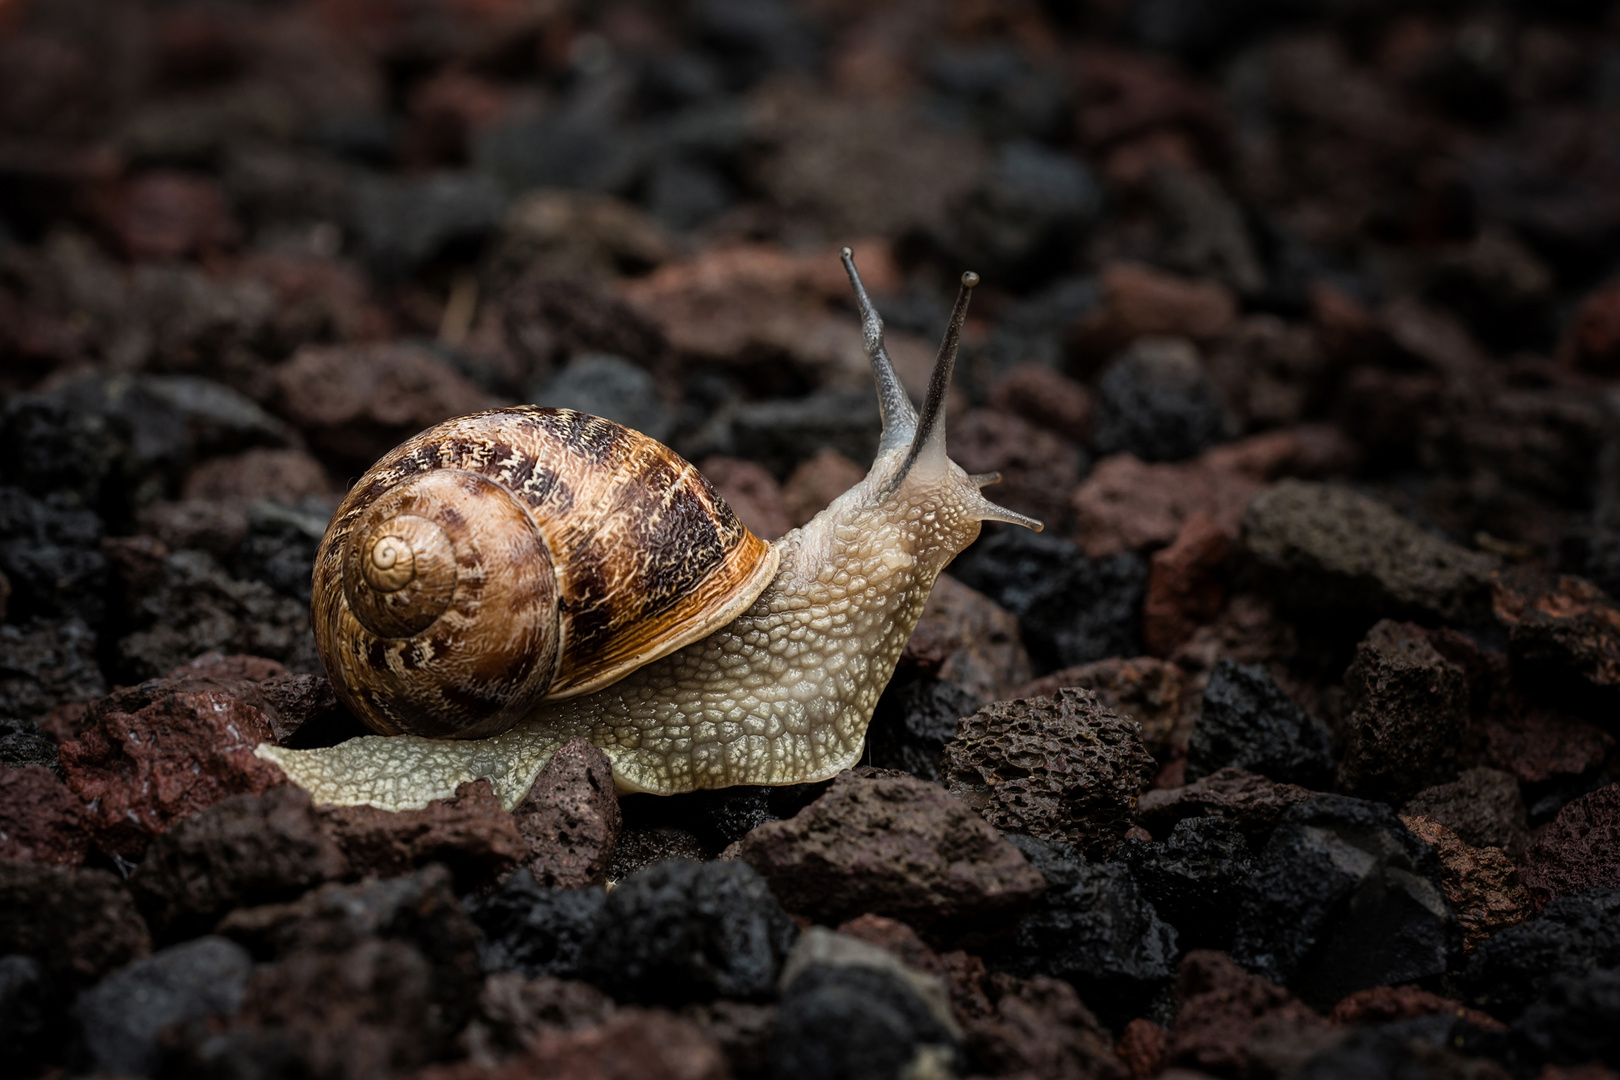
point(1185, 588)
point(1157, 403)
point(1580, 850)
point(631, 1044)
point(170, 758)
point(751, 492)
point(167, 214)
point(1271, 371)
point(1226, 1016)
point(1572, 934)
point(1482, 806)
point(741, 1029)
point(1541, 745)
point(816, 482)
point(23, 744)
point(1142, 1046)
point(1592, 341)
point(471, 833)
point(963, 975)
point(547, 320)
point(1248, 723)
point(50, 552)
point(859, 1022)
point(286, 476)
point(536, 931)
point(966, 639)
point(819, 950)
point(78, 925)
point(40, 819)
point(356, 402)
point(404, 222)
point(1481, 884)
point(1144, 689)
point(121, 1018)
point(1139, 301)
point(611, 387)
point(571, 819)
point(1071, 609)
point(1408, 707)
point(1126, 504)
point(641, 846)
point(1038, 468)
point(1046, 397)
point(576, 236)
point(1388, 1004)
point(1344, 897)
point(1329, 548)
point(1253, 802)
point(1041, 1029)
point(1194, 878)
point(244, 850)
point(1059, 768)
point(1572, 1022)
point(1421, 1048)
point(279, 548)
point(893, 846)
point(27, 1013)
point(512, 1010)
point(1570, 623)
point(214, 527)
point(778, 433)
point(681, 931)
point(912, 724)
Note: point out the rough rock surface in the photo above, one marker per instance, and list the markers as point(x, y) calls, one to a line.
point(1150, 691)
point(571, 818)
point(1041, 1028)
point(1482, 806)
point(1059, 768)
point(1126, 504)
point(966, 639)
point(1038, 468)
point(858, 1020)
point(1194, 878)
point(1566, 621)
point(1186, 587)
point(40, 819)
point(1572, 934)
point(1253, 802)
point(471, 833)
point(1579, 850)
point(894, 846)
point(537, 931)
point(1481, 884)
point(1386, 1004)
point(77, 924)
point(1226, 1016)
point(1247, 722)
point(913, 723)
point(631, 1044)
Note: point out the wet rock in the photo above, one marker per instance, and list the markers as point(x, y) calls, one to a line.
point(248, 849)
point(571, 819)
point(913, 723)
point(50, 552)
point(1140, 301)
point(611, 387)
point(1038, 468)
point(1573, 934)
point(1157, 403)
point(1247, 722)
point(1144, 689)
point(816, 482)
point(1481, 884)
point(471, 833)
point(1482, 806)
point(1254, 803)
point(1330, 548)
point(966, 639)
point(45, 663)
point(1569, 622)
point(168, 759)
point(1226, 1017)
point(681, 931)
point(857, 1022)
point(534, 930)
point(121, 1018)
point(1071, 609)
point(751, 492)
point(1059, 768)
point(1344, 897)
point(1194, 878)
point(1093, 929)
point(1387, 1004)
point(894, 846)
point(1572, 1022)
point(1408, 707)
point(23, 744)
point(40, 819)
point(1126, 504)
point(1580, 850)
point(78, 925)
point(1186, 587)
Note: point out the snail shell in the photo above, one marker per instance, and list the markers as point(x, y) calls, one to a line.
point(515, 555)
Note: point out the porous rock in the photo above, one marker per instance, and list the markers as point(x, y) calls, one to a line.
point(248, 849)
point(1327, 547)
point(1227, 1015)
point(1579, 850)
point(1540, 745)
point(1185, 586)
point(1041, 1028)
point(817, 481)
point(1567, 621)
point(1142, 1047)
point(1387, 1004)
point(1194, 878)
point(40, 819)
point(1572, 1022)
point(966, 639)
point(77, 924)
point(1481, 884)
point(571, 819)
point(45, 663)
point(857, 1021)
point(1408, 707)
point(896, 846)
point(1253, 802)
point(1127, 504)
point(1483, 806)
point(1157, 402)
point(182, 752)
point(512, 1010)
point(1143, 688)
point(1038, 468)
point(22, 744)
point(1572, 934)
point(963, 974)
point(683, 931)
point(471, 833)
point(1247, 722)
point(1059, 768)
point(536, 931)
point(630, 1044)
point(641, 846)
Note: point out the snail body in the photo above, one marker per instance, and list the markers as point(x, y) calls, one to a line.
point(762, 667)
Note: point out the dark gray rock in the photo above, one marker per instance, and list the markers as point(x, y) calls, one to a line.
point(27, 1011)
point(279, 547)
point(857, 1022)
point(1573, 934)
point(610, 387)
point(1573, 1021)
point(1022, 222)
point(913, 722)
point(1157, 402)
point(45, 663)
point(404, 222)
point(1249, 723)
point(1194, 878)
point(779, 433)
point(1408, 707)
point(78, 925)
point(22, 744)
point(50, 552)
point(536, 931)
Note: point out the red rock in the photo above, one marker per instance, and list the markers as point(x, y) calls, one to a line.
point(1141, 301)
point(1225, 1012)
point(571, 819)
point(1387, 1004)
point(287, 476)
point(1126, 92)
point(80, 925)
point(471, 833)
point(1481, 884)
point(1046, 397)
point(1126, 504)
point(1568, 621)
point(170, 215)
point(176, 754)
point(1041, 1029)
point(1579, 850)
point(1142, 1047)
point(1186, 587)
point(1253, 802)
point(817, 482)
point(894, 846)
point(750, 491)
point(969, 640)
point(512, 1010)
point(288, 701)
point(631, 1044)
point(318, 298)
point(1540, 744)
point(1593, 340)
point(1145, 689)
point(40, 819)
point(1038, 469)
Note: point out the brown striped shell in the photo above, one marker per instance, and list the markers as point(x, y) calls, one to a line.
point(515, 555)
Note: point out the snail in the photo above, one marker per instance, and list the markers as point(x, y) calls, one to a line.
point(506, 581)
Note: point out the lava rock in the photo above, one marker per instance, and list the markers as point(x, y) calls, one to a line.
point(1344, 897)
point(538, 931)
point(1126, 504)
point(681, 931)
point(641, 846)
point(40, 819)
point(1249, 723)
point(1254, 803)
point(1408, 707)
point(1483, 806)
point(50, 552)
point(45, 663)
point(1059, 768)
point(780, 433)
point(1387, 1004)
point(279, 548)
point(22, 744)
point(1071, 609)
point(638, 1043)
point(248, 849)
point(1580, 850)
point(1038, 468)
point(78, 925)
point(815, 483)
point(1194, 878)
point(857, 1022)
point(610, 387)
point(1572, 1022)
point(1094, 929)
point(471, 833)
point(571, 818)
point(912, 724)
point(1150, 691)
point(512, 1010)
point(966, 639)
point(752, 493)
point(1573, 934)
point(1046, 397)
point(1041, 1028)
point(895, 846)
point(27, 1013)
point(1185, 588)
point(1569, 622)
point(1481, 884)
point(1329, 548)
point(121, 1017)
point(1157, 403)
point(1226, 1017)
point(403, 223)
